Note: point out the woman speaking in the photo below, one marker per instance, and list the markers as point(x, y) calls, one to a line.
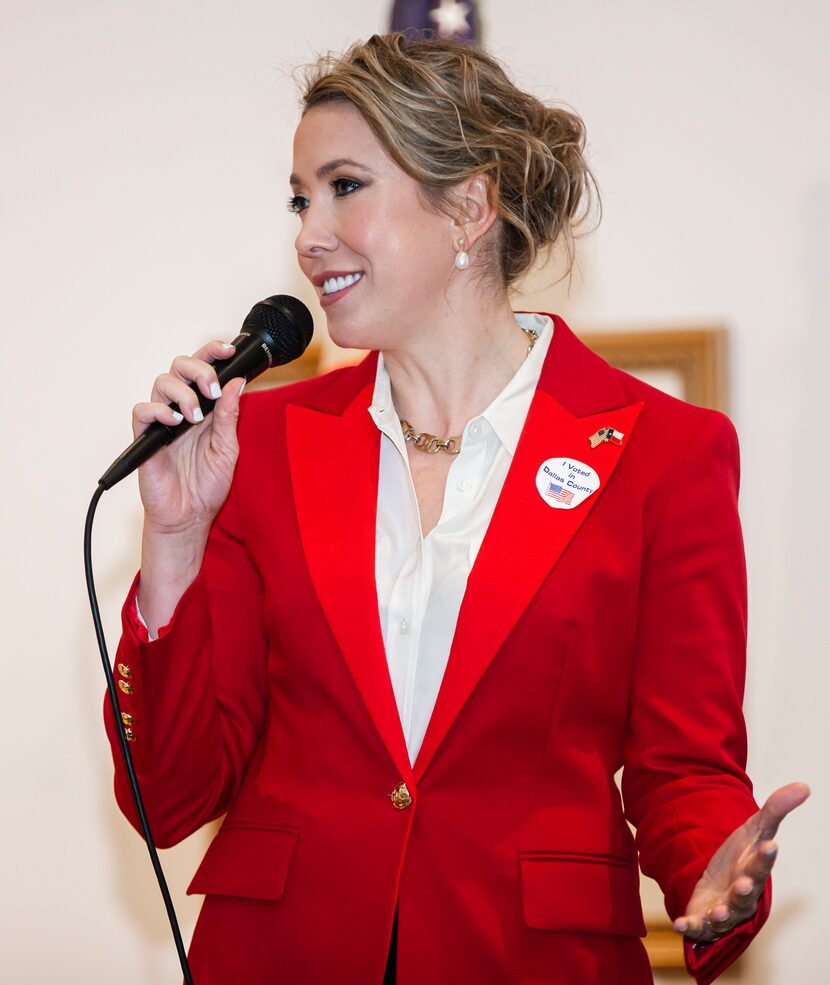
point(404, 622)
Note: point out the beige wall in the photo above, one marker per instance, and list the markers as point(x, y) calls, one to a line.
point(144, 154)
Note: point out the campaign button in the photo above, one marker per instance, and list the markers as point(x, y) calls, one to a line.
point(565, 483)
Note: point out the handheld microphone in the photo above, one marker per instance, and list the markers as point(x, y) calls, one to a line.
point(276, 331)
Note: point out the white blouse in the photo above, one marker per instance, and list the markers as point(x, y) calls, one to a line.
point(421, 580)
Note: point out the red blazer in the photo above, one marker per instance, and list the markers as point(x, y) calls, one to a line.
point(608, 635)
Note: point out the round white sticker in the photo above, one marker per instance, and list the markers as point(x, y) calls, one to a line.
point(564, 483)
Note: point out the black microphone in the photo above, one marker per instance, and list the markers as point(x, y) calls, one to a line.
point(276, 331)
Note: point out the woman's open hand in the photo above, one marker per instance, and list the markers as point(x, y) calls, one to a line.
point(728, 891)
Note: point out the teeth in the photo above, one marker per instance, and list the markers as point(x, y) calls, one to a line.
point(339, 283)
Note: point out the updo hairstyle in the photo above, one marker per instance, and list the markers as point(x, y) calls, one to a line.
point(445, 112)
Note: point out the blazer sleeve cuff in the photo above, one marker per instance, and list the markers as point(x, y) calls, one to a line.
point(706, 962)
point(133, 621)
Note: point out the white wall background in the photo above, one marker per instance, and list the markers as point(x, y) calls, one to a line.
point(145, 149)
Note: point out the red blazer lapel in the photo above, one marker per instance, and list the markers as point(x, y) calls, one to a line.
point(527, 536)
point(334, 454)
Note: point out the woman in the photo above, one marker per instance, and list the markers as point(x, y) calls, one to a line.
point(404, 622)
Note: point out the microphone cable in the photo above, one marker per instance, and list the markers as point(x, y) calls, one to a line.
point(122, 739)
point(276, 331)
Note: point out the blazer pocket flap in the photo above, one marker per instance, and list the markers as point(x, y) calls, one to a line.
point(581, 893)
point(248, 862)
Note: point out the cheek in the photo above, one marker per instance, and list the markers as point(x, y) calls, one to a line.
point(412, 255)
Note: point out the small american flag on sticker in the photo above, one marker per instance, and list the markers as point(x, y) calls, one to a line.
point(558, 493)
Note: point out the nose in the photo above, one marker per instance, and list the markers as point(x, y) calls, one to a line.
point(316, 235)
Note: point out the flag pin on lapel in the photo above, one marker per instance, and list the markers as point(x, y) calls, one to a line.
point(606, 434)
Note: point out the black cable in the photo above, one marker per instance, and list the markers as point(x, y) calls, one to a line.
point(122, 738)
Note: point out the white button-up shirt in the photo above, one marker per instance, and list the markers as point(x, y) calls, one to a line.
point(421, 580)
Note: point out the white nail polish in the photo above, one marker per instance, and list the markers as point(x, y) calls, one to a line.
point(198, 415)
point(179, 417)
point(227, 345)
point(215, 391)
point(244, 384)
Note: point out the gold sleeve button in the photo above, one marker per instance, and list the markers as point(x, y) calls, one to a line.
point(125, 671)
point(130, 734)
point(127, 718)
point(126, 687)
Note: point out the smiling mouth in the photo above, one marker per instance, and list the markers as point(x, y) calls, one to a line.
point(336, 284)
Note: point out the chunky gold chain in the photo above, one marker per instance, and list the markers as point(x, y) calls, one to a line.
point(431, 443)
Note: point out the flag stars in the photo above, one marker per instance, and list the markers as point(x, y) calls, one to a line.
point(451, 18)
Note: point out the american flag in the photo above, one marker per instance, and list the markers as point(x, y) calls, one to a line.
point(442, 18)
point(559, 494)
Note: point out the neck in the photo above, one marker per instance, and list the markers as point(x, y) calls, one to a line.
point(443, 378)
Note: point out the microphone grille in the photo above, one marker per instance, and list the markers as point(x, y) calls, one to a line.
point(287, 323)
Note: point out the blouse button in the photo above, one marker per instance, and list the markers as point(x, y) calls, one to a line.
point(464, 484)
point(403, 627)
point(475, 430)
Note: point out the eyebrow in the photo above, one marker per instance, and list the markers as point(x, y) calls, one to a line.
point(326, 169)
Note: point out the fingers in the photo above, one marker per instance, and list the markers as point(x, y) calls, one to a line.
point(778, 805)
point(759, 863)
point(692, 925)
point(739, 906)
point(706, 927)
point(213, 351)
point(225, 415)
point(145, 414)
point(174, 388)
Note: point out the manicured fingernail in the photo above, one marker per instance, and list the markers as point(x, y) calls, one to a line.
point(244, 384)
point(198, 415)
point(681, 926)
point(745, 891)
point(215, 391)
point(179, 417)
point(771, 852)
point(227, 345)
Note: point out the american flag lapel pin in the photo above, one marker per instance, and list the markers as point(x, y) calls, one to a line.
point(612, 435)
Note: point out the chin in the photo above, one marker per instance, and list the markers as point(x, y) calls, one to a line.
point(351, 334)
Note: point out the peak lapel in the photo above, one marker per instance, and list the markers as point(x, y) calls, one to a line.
point(524, 527)
point(333, 454)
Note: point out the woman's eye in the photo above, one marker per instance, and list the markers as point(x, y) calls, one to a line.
point(297, 203)
point(344, 186)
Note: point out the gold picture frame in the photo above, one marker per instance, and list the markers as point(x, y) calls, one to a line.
point(693, 359)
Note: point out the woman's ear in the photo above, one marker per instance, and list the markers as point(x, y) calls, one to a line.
point(475, 207)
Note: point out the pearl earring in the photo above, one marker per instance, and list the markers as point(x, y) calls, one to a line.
point(462, 258)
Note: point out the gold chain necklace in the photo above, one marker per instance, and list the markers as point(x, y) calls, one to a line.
point(431, 443)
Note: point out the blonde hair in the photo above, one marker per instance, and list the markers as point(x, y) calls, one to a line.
point(445, 112)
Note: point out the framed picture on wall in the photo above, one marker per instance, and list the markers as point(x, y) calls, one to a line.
point(689, 363)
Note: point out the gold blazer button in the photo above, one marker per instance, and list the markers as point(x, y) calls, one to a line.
point(125, 671)
point(125, 687)
point(401, 797)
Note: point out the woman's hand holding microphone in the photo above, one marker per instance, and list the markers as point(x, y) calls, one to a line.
point(184, 482)
point(184, 485)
